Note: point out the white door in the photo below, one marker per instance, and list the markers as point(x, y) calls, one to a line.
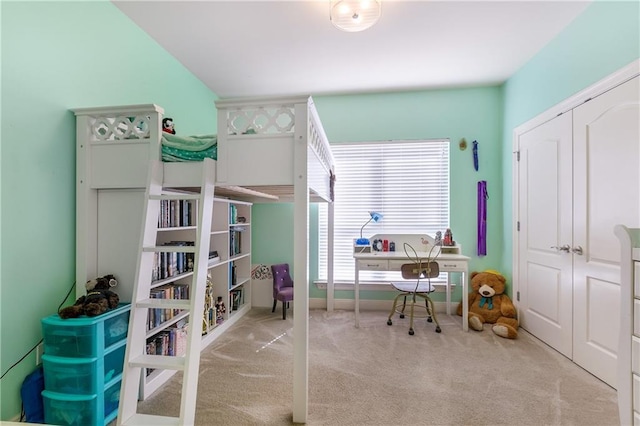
point(545, 215)
point(606, 192)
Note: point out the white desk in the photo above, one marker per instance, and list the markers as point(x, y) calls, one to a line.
point(392, 261)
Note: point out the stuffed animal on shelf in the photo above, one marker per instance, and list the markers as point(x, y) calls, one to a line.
point(98, 300)
point(489, 304)
point(167, 126)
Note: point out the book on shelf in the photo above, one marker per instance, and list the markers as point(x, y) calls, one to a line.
point(170, 342)
point(157, 316)
point(233, 274)
point(236, 298)
point(176, 213)
point(235, 242)
point(233, 214)
point(170, 264)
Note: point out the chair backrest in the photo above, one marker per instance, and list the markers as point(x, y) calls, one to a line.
point(281, 277)
point(412, 271)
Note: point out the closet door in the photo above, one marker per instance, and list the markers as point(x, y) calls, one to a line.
point(545, 215)
point(606, 192)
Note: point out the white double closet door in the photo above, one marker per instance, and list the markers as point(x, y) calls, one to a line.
point(577, 177)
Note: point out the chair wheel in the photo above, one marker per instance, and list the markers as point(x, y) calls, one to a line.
point(438, 329)
point(401, 315)
point(429, 319)
point(389, 322)
point(411, 332)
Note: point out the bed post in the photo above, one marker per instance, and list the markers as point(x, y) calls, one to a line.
point(330, 245)
point(301, 266)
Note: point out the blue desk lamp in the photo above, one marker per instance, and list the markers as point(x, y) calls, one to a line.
point(376, 217)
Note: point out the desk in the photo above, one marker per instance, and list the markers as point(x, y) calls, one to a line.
point(392, 261)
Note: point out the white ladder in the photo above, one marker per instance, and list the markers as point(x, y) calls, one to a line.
point(136, 358)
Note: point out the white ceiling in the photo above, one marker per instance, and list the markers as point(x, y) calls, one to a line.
point(264, 48)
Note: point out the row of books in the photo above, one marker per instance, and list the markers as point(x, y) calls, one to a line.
point(233, 274)
point(236, 298)
point(176, 213)
point(235, 240)
point(170, 264)
point(158, 316)
point(171, 342)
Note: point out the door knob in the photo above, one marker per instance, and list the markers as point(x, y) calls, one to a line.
point(565, 248)
point(577, 250)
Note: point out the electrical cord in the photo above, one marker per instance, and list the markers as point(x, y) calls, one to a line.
point(41, 340)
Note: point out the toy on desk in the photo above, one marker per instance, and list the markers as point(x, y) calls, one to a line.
point(99, 299)
point(488, 303)
point(448, 238)
point(438, 239)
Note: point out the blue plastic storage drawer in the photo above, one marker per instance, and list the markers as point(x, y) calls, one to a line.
point(71, 410)
point(82, 375)
point(71, 375)
point(85, 337)
point(111, 401)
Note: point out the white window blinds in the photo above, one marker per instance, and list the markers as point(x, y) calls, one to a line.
point(406, 181)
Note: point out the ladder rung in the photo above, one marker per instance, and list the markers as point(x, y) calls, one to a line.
point(170, 249)
point(158, 361)
point(175, 197)
point(164, 303)
point(150, 420)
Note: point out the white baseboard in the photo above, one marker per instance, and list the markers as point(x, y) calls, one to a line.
point(370, 305)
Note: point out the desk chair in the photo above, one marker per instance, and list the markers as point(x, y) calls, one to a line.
point(282, 287)
point(414, 291)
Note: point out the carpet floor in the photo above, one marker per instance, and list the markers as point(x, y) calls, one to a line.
point(380, 375)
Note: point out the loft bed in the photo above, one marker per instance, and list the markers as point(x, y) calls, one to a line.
point(256, 148)
point(266, 150)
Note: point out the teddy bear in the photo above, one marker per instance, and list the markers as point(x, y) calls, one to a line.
point(489, 304)
point(98, 300)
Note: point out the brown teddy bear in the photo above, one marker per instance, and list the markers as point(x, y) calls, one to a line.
point(99, 299)
point(489, 304)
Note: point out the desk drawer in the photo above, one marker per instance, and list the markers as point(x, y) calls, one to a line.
point(373, 265)
point(452, 265)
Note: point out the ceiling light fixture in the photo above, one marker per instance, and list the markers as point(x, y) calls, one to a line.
point(355, 15)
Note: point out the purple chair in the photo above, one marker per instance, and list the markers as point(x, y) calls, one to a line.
point(282, 287)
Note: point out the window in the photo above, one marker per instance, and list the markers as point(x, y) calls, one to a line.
point(406, 181)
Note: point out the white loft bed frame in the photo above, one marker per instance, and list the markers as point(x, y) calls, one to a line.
point(116, 146)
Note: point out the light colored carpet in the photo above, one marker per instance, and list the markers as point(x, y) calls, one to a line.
point(379, 375)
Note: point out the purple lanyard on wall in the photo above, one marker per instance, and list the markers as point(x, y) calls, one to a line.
point(483, 196)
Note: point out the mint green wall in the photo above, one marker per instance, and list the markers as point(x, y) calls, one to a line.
point(603, 39)
point(62, 55)
point(57, 56)
point(272, 237)
point(458, 113)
